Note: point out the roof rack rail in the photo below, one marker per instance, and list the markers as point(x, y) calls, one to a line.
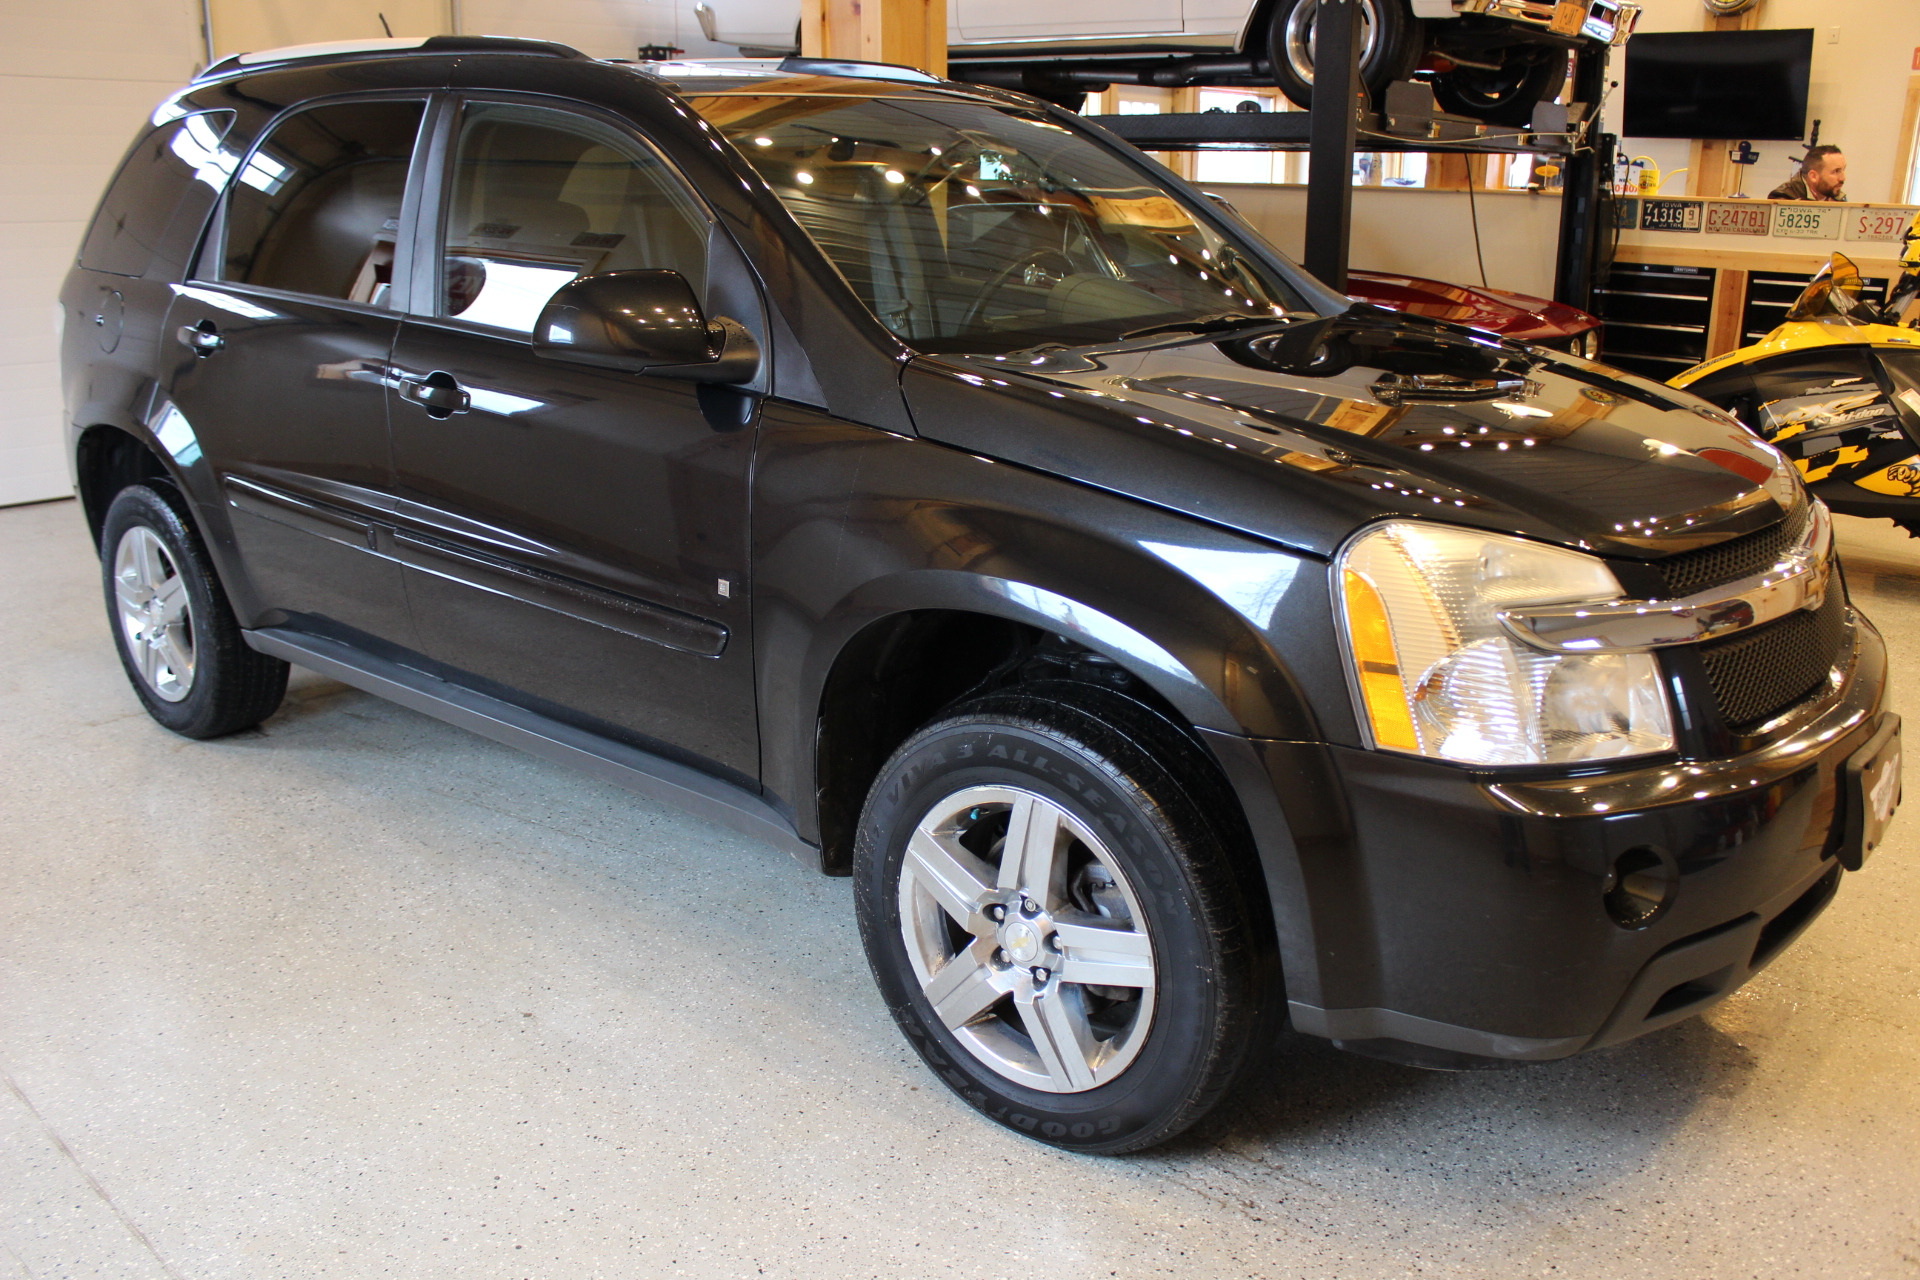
point(856, 69)
point(398, 44)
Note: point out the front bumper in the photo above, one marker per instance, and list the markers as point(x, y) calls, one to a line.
point(1470, 924)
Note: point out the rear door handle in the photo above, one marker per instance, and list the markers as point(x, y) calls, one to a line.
point(202, 339)
point(439, 393)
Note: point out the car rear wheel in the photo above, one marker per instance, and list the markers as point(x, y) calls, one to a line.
point(1390, 43)
point(172, 625)
point(1508, 95)
point(1056, 922)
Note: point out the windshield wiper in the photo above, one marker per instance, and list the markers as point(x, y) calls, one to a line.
point(1218, 321)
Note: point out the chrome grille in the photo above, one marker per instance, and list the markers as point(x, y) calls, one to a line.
point(1730, 561)
point(1757, 674)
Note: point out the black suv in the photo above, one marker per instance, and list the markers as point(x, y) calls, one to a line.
point(916, 477)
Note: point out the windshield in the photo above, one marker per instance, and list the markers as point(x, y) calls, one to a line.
point(1835, 295)
point(969, 227)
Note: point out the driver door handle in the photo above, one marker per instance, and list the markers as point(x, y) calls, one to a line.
point(439, 393)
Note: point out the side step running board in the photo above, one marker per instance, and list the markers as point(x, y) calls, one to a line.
point(652, 776)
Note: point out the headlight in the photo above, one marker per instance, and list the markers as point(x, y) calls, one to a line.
point(1587, 345)
point(1437, 675)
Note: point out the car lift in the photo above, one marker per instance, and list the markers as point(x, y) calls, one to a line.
point(1329, 135)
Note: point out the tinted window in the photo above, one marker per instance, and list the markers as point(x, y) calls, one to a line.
point(317, 207)
point(967, 226)
point(137, 217)
point(542, 197)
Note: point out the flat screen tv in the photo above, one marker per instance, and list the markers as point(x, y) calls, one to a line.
point(1718, 84)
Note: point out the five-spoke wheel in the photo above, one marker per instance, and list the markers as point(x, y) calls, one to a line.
point(1027, 939)
point(1058, 920)
point(155, 616)
point(176, 634)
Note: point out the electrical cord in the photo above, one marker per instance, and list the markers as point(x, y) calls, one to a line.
point(1473, 208)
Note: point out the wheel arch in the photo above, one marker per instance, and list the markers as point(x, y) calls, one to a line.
point(864, 714)
point(107, 457)
point(901, 649)
point(901, 668)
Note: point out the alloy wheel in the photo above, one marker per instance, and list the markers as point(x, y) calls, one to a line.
point(1302, 28)
point(156, 617)
point(1026, 938)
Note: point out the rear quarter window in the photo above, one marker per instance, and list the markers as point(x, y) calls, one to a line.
point(155, 205)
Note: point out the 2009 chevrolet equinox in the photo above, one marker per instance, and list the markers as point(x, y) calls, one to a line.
point(914, 475)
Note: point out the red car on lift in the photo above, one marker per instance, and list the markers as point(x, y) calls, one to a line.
point(1510, 315)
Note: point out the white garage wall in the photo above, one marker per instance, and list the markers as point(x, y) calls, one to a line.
point(603, 28)
point(1423, 233)
point(76, 81)
point(1862, 59)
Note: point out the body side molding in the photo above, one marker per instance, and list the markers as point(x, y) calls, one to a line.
point(650, 775)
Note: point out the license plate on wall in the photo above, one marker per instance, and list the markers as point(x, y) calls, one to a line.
point(1669, 215)
point(1879, 224)
point(1807, 221)
point(1739, 219)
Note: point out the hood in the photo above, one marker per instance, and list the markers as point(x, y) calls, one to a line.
point(1514, 316)
point(1303, 432)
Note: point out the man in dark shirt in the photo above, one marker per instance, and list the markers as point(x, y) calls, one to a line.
point(1821, 176)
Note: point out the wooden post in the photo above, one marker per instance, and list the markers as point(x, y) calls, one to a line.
point(1724, 329)
point(1451, 171)
point(1903, 173)
point(1710, 172)
point(910, 32)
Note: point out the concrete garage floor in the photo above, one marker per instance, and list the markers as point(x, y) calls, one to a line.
point(363, 995)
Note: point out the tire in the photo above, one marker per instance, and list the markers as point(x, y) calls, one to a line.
point(1391, 43)
point(1504, 97)
point(1142, 892)
point(172, 625)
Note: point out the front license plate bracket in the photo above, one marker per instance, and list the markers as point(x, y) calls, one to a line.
point(1870, 792)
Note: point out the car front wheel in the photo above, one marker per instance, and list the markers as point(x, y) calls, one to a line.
point(1055, 920)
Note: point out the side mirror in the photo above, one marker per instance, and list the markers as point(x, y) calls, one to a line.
point(643, 322)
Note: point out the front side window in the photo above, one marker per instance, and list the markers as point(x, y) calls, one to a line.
point(316, 208)
point(542, 197)
point(971, 227)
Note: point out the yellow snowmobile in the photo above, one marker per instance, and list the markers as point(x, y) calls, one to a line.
point(1836, 388)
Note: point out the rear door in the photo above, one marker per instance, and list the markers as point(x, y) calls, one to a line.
point(573, 536)
point(279, 346)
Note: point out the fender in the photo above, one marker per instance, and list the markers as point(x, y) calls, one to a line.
point(118, 391)
point(856, 526)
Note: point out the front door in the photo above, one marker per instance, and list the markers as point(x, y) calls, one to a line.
point(574, 537)
point(279, 350)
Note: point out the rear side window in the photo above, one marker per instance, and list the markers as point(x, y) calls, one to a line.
point(317, 208)
point(147, 209)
